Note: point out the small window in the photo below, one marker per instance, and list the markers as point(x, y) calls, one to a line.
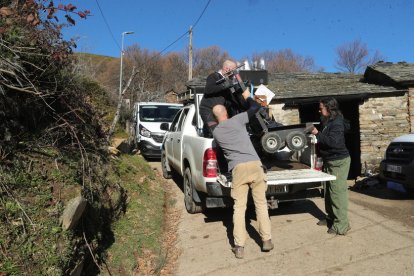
point(182, 119)
point(175, 121)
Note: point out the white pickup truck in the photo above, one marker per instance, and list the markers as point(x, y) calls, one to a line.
point(187, 152)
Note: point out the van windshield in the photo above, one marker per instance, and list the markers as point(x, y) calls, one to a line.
point(157, 113)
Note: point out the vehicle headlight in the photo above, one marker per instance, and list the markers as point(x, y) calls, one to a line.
point(144, 132)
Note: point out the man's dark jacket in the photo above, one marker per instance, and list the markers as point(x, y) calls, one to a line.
point(331, 140)
point(216, 93)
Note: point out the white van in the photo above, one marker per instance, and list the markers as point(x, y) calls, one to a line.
point(148, 116)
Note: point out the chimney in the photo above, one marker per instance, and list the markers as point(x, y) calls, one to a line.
point(246, 65)
point(262, 64)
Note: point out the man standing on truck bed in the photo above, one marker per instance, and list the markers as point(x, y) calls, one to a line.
point(217, 91)
point(247, 172)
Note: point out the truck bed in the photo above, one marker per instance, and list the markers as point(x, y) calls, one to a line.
point(290, 172)
point(297, 176)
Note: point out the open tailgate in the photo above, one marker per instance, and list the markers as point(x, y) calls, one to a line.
point(284, 177)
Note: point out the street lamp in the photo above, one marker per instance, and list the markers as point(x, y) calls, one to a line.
point(122, 54)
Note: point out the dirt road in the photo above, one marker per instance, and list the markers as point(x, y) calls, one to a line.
point(381, 241)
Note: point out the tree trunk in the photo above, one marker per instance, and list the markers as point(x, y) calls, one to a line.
point(118, 108)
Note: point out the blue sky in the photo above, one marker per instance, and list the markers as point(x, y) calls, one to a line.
point(242, 27)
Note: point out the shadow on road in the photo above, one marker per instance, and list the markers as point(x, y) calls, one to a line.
point(374, 188)
point(225, 215)
point(298, 207)
point(179, 180)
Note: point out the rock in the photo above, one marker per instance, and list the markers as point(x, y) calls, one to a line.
point(73, 212)
point(121, 145)
point(124, 147)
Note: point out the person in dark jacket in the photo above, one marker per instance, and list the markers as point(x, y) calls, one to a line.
point(336, 161)
point(218, 91)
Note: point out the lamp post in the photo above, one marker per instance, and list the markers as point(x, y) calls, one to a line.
point(122, 54)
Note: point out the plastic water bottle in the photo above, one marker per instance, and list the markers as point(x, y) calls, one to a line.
point(319, 164)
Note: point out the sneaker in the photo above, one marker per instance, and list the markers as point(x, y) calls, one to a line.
point(332, 232)
point(325, 222)
point(238, 251)
point(267, 245)
point(322, 222)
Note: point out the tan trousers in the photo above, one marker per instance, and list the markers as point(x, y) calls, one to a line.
point(249, 175)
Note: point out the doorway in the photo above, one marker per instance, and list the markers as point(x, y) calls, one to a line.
point(308, 112)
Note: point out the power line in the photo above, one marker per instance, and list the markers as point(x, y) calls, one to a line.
point(172, 43)
point(107, 25)
point(184, 34)
point(175, 41)
point(202, 13)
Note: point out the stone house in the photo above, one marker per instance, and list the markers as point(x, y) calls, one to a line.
point(378, 104)
point(170, 96)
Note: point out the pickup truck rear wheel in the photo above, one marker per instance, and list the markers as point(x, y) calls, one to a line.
point(190, 205)
point(296, 140)
point(164, 166)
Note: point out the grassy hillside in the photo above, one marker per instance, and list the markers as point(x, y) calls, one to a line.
point(54, 116)
point(103, 69)
point(53, 149)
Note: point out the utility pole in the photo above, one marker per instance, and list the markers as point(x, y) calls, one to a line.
point(121, 95)
point(122, 55)
point(190, 55)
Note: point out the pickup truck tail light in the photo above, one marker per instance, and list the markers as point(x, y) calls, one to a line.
point(210, 163)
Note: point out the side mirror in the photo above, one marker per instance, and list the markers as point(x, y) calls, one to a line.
point(165, 126)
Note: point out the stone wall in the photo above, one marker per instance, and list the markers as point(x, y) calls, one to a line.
point(381, 120)
point(286, 116)
point(170, 97)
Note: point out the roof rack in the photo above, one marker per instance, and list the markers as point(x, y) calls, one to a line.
point(186, 97)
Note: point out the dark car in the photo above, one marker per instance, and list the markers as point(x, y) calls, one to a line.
point(398, 164)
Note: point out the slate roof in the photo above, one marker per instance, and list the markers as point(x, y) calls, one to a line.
point(308, 85)
point(380, 78)
point(197, 82)
point(388, 73)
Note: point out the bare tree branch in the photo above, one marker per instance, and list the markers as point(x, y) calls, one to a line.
point(20, 89)
point(354, 57)
point(284, 61)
